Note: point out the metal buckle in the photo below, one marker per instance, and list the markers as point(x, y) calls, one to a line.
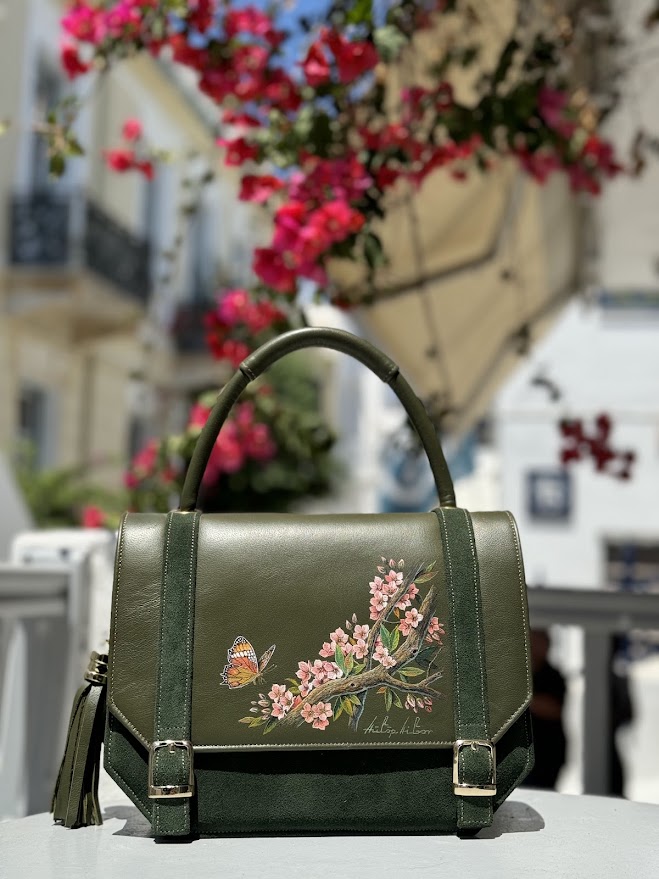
point(97, 670)
point(171, 790)
point(462, 788)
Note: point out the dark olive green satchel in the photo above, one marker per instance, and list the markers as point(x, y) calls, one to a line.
point(290, 673)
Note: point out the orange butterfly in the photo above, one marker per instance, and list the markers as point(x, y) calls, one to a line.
point(243, 667)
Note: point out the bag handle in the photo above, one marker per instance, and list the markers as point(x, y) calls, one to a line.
point(321, 337)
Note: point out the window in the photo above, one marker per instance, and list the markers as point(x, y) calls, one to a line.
point(35, 419)
point(549, 495)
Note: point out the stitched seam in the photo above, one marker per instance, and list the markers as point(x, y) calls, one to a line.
point(144, 741)
point(479, 614)
point(115, 609)
point(445, 541)
point(188, 655)
point(520, 577)
point(160, 731)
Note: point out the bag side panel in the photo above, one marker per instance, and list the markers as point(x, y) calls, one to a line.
point(505, 619)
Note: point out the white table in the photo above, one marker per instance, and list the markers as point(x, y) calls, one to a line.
point(535, 834)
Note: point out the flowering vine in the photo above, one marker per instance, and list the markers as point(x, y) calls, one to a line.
point(325, 127)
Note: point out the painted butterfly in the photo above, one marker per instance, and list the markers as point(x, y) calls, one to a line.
point(243, 667)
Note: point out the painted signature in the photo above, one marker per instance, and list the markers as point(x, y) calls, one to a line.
point(409, 728)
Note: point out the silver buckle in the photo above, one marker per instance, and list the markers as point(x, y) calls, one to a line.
point(171, 791)
point(462, 788)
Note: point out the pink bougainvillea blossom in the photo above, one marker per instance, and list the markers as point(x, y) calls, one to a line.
point(132, 129)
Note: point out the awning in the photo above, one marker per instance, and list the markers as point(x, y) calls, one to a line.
point(476, 270)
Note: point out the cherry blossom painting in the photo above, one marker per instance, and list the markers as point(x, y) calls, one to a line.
point(394, 657)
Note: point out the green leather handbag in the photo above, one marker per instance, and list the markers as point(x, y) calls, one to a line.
point(295, 673)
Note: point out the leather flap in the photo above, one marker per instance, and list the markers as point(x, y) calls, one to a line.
point(354, 604)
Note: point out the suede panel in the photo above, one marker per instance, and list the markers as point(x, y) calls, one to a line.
point(321, 791)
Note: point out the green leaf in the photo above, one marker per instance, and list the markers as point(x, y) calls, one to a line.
point(246, 720)
point(57, 164)
point(395, 639)
point(355, 700)
point(349, 663)
point(397, 700)
point(339, 659)
point(389, 41)
point(425, 578)
point(348, 707)
point(361, 12)
point(386, 638)
point(293, 681)
point(388, 699)
point(338, 711)
point(257, 721)
point(373, 251)
point(271, 724)
point(359, 668)
point(410, 672)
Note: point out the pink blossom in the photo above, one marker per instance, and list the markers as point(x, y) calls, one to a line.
point(411, 621)
point(338, 636)
point(376, 585)
point(92, 517)
point(259, 444)
point(322, 712)
point(360, 632)
point(233, 306)
point(435, 631)
point(304, 672)
point(270, 267)
point(259, 188)
point(327, 649)
point(407, 599)
point(394, 577)
point(198, 416)
point(132, 129)
point(316, 65)
point(360, 649)
point(378, 604)
point(381, 655)
point(307, 712)
point(279, 710)
point(277, 691)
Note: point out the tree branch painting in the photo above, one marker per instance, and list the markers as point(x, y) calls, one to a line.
point(393, 656)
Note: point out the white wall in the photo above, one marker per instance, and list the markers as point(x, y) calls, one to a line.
point(601, 362)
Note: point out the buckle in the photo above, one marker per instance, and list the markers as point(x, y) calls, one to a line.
point(462, 788)
point(171, 790)
point(97, 670)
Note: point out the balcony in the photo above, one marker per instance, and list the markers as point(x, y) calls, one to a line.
point(50, 230)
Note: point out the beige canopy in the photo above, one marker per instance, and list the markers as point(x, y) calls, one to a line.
point(476, 268)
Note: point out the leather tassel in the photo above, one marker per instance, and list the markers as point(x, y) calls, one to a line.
point(75, 799)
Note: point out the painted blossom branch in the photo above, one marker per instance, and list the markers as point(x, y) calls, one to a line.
point(378, 675)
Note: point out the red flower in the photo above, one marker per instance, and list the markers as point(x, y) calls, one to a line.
point(270, 267)
point(259, 188)
point(145, 167)
point(92, 517)
point(238, 150)
point(132, 129)
point(251, 21)
point(120, 160)
point(352, 59)
point(71, 62)
point(316, 66)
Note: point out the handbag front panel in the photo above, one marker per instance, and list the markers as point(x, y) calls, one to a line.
point(353, 607)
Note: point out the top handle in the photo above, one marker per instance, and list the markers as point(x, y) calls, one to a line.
point(320, 337)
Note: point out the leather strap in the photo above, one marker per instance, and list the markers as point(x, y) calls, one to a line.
point(173, 716)
point(475, 764)
point(322, 337)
